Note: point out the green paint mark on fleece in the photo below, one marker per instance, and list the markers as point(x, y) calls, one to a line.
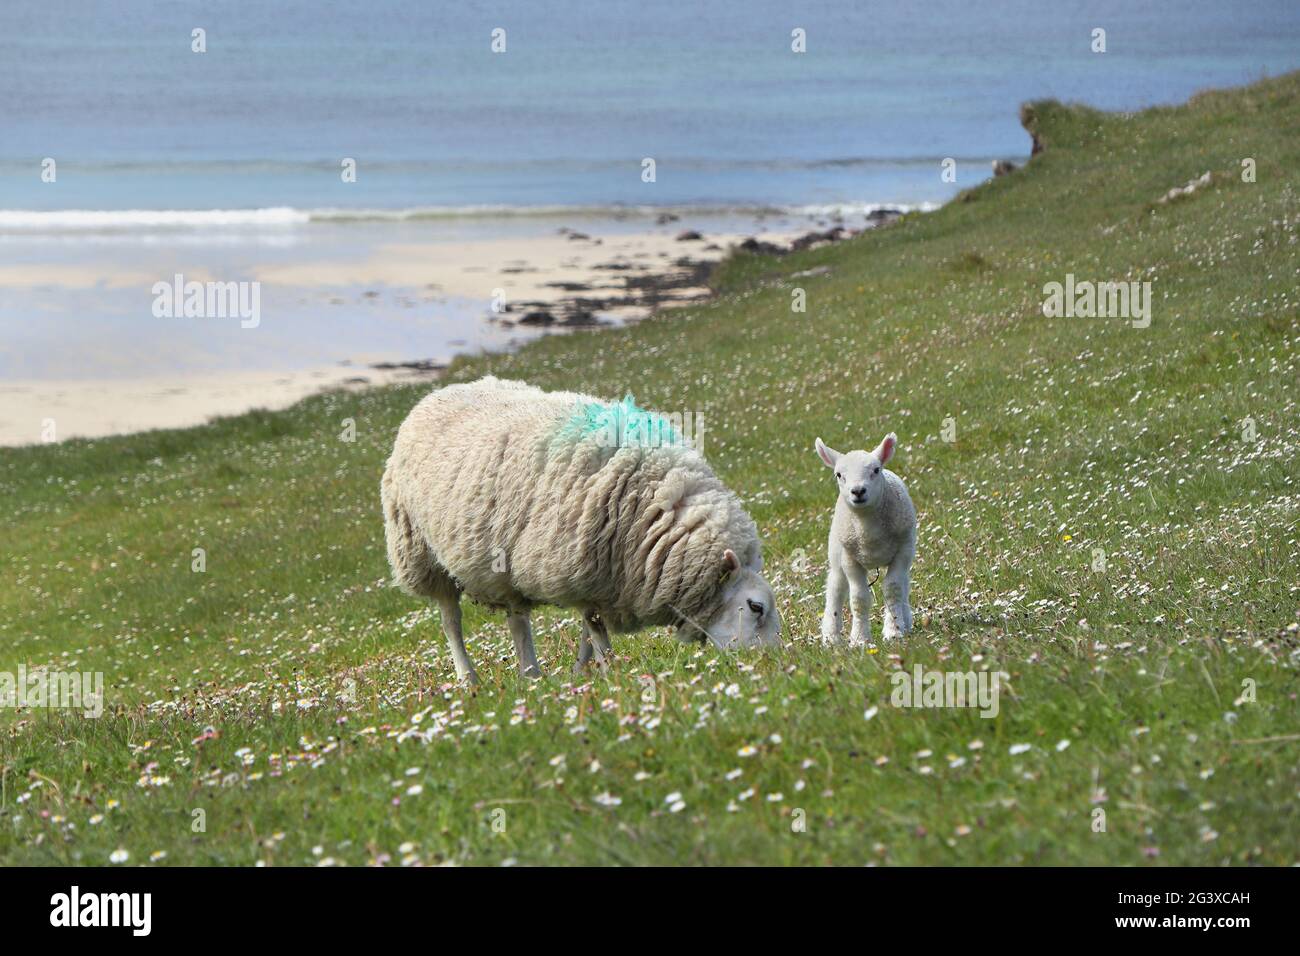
point(622, 424)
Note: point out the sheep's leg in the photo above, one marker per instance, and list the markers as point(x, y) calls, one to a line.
point(599, 638)
point(837, 587)
point(522, 632)
point(897, 586)
point(449, 608)
point(584, 647)
point(860, 600)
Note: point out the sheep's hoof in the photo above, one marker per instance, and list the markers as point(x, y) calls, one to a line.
point(532, 673)
point(469, 679)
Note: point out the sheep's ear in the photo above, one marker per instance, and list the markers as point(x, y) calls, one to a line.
point(827, 454)
point(885, 450)
point(731, 563)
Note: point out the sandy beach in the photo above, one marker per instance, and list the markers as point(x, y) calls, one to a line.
point(545, 282)
point(40, 410)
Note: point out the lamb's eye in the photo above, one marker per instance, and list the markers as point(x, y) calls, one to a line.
point(839, 476)
point(755, 606)
point(876, 470)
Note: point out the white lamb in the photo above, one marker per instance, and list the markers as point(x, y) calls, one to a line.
point(518, 497)
point(874, 526)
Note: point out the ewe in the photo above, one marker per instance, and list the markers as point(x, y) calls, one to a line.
point(518, 497)
point(874, 526)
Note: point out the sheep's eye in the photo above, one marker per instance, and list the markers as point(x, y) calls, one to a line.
point(877, 470)
point(755, 606)
point(839, 476)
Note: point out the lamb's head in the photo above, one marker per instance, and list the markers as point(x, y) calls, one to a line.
point(859, 474)
point(747, 615)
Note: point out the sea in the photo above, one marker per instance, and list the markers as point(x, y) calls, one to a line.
point(141, 137)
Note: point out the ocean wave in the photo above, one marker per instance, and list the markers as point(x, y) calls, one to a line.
point(74, 220)
point(279, 217)
point(513, 166)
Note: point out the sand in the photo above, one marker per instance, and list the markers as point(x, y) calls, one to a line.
point(524, 268)
point(37, 411)
point(527, 270)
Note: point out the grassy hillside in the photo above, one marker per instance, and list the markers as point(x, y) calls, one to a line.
point(1105, 529)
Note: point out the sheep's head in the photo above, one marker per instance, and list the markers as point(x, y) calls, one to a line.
point(859, 474)
point(747, 616)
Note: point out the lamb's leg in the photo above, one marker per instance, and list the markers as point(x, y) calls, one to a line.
point(897, 587)
point(837, 587)
point(449, 608)
point(522, 632)
point(860, 600)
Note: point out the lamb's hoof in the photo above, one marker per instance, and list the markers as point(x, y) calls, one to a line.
point(890, 633)
point(469, 679)
point(532, 673)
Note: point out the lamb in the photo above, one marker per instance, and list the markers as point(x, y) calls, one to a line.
point(874, 526)
point(519, 497)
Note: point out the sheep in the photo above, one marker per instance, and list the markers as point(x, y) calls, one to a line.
point(519, 497)
point(874, 526)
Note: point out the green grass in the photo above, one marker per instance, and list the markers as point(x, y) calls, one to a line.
point(331, 694)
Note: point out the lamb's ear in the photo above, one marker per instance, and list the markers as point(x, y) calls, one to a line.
point(885, 450)
point(827, 454)
point(731, 563)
